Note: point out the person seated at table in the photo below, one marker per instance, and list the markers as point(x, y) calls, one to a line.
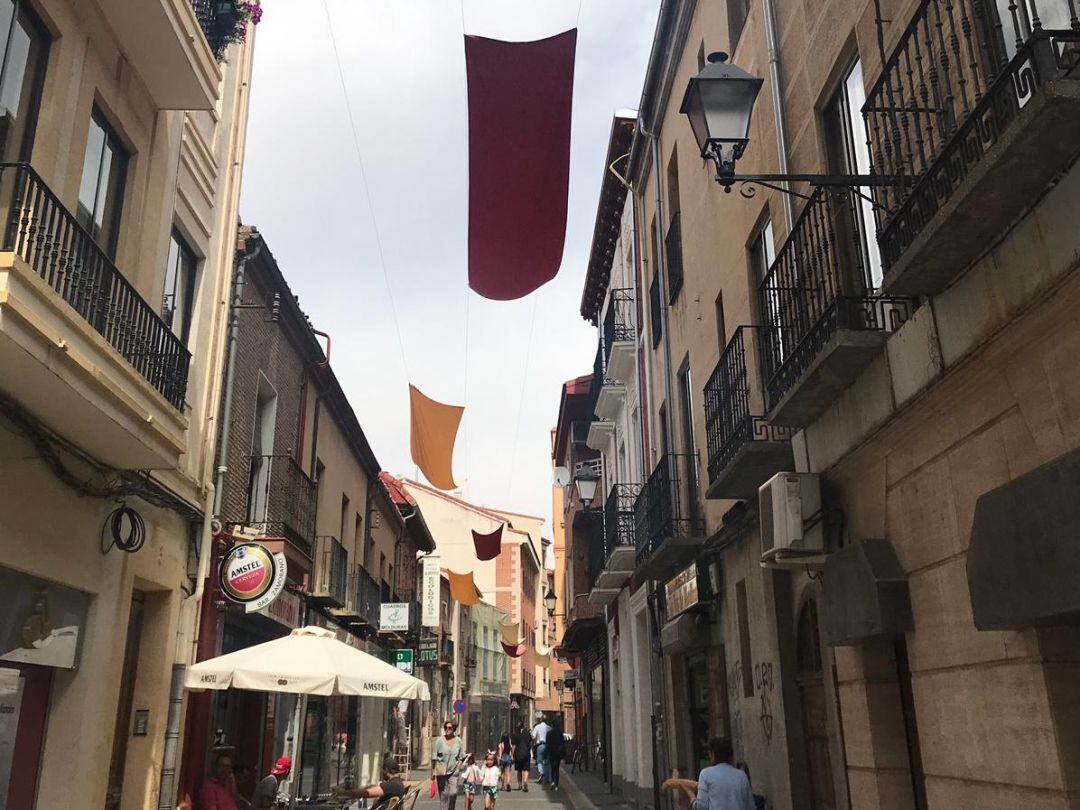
point(392, 786)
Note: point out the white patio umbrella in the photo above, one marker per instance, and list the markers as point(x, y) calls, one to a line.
point(308, 661)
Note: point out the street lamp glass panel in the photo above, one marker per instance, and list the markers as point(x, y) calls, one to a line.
point(586, 489)
point(549, 601)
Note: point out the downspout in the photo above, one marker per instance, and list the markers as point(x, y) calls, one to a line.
point(772, 41)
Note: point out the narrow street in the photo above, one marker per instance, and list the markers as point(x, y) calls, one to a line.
point(582, 791)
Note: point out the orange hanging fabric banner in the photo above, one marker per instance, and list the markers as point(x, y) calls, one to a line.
point(488, 546)
point(512, 650)
point(434, 430)
point(463, 588)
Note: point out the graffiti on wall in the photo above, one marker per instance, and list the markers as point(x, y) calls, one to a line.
point(763, 684)
point(735, 674)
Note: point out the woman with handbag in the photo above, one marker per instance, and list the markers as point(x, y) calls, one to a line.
point(447, 760)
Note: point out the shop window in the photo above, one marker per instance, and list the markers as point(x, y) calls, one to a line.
point(178, 296)
point(101, 190)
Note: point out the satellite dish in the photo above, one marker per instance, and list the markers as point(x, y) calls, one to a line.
point(561, 477)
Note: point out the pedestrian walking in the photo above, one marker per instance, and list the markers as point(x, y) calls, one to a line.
point(470, 779)
point(489, 780)
point(522, 757)
point(446, 764)
point(505, 760)
point(556, 750)
point(539, 739)
point(266, 792)
point(722, 786)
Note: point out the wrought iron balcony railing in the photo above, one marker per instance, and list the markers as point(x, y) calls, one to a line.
point(583, 609)
point(282, 500)
point(960, 73)
point(44, 234)
point(734, 401)
point(669, 504)
point(218, 20)
point(673, 257)
point(368, 598)
point(619, 518)
point(331, 570)
point(619, 319)
point(815, 287)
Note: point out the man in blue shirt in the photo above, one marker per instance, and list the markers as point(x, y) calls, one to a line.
point(723, 786)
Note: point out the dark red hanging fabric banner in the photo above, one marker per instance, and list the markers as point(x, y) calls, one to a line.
point(488, 546)
point(520, 98)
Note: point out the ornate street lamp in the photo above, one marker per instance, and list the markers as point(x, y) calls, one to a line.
point(586, 481)
point(549, 602)
point(719, 103)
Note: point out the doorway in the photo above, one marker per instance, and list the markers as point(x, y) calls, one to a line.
point(128, 674)
point(811, 683)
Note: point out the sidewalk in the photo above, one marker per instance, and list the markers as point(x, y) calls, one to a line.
point(587, 791)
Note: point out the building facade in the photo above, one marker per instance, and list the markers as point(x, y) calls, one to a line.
point(896, 349)
point(299, 476)
point(123, 141)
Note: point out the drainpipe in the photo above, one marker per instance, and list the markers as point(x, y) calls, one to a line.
point(772, 41)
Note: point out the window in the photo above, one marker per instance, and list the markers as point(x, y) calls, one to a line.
point(737, 11)
point(686, 394)
point(773, 314)
point(344, 518)
point(655, 322)
point(179, 294)
point(701, 56)
point(24, 49)
point(721, 328)
point(673, 257)
point(851, 155)
point(262, 451)
point(358, 536)
point(101, 191)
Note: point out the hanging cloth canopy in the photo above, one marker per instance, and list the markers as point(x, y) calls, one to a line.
point(463, 588)
point(543, 656)
point(520, 100)
point(487, 546)
point(434, 428)
point(308, 661)
point(511, 634)
point(514, 651)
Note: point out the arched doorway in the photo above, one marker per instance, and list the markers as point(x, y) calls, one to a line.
point(811, 683)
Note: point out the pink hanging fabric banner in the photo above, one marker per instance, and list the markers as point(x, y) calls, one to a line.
point(488, 546)
point(520, 99)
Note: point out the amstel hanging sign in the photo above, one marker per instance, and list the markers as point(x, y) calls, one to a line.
point(252, 576)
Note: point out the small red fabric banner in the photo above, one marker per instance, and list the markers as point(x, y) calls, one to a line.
point(488, 546)
point(520, 100)
point(512, 650)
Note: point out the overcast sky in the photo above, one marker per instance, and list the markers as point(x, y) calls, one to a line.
point(404, 70)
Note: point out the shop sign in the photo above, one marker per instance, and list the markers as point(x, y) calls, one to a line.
point(430, 591)
point(252, 576)
point(403, 660)
point(394, 617)
point(284, 610)
point(681, 591)
point(41, 622)
point(429, 651)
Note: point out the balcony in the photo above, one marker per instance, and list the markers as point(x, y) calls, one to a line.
point(668, 524)
point(368, 599)
point(446, 653)
point(673, 257)
point(165, 42)
point(349, 613)
point(330, 585)
point(608, 396)
point(974, 112)
point(620, 335)
point(584, 622)
point(283, 498)
point(619, 544)
point(745, 450)
point(80, 349)
point(822, 326)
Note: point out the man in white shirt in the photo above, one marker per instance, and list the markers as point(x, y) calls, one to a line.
point(539, 737)
point(723, 786)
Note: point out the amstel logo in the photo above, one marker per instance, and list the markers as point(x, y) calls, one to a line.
point(247, 572)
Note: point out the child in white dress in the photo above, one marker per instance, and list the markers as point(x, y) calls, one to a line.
point(489, 781)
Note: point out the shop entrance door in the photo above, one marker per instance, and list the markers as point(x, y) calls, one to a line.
point(812, 697)
point(698, 692)
point(24, 702)
point(123, 706)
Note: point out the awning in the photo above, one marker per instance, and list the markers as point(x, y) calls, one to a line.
point(581, 633)
point(1023, 566)
point(864, 594)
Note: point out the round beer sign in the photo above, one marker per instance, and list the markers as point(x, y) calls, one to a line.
point(247, 572)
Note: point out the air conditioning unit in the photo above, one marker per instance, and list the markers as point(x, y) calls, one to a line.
point(792, 531)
